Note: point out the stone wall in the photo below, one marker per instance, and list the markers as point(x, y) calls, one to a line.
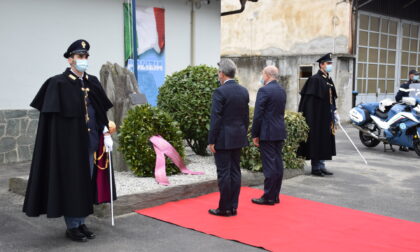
point(17, 135)
point(119, 83)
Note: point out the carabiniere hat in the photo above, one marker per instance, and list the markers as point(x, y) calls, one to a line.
point(80, 46)
point(325, 58)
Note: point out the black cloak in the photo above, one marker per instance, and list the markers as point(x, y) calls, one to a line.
point(59, 181)
point(317, 103)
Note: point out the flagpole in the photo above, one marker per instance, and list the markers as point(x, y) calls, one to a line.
point(133, 15)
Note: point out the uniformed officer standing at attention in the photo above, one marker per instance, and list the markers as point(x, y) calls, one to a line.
point(269, 133)
point(317, 105)
point(228, 134)
point(404, 91)
point(72, 120)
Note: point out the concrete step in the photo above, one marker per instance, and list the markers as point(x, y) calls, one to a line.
point(128, 203)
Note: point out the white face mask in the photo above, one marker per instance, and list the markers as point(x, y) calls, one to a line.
point(81, 65)
point(262, 82)
point(329, 68)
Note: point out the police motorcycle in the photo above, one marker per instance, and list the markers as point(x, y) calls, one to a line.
point(389, 122)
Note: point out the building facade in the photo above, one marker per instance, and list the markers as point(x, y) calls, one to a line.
point(291, 35)
point(374, 42)
point(35, 34)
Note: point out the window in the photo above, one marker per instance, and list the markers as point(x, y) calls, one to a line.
point(410, 51)
point(387, 50)
point(376, 54)
point(304, 73)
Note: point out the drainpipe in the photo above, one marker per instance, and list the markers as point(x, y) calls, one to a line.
point(243, 3)
point(363, 4)
point(192, 38)
point(355, 10)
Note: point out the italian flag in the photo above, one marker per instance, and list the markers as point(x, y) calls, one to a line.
point(150, 26)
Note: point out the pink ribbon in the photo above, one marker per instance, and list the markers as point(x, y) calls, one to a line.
point(162, 148)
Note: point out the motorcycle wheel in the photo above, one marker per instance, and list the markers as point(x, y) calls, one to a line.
point(416, 146)
point(368, 141)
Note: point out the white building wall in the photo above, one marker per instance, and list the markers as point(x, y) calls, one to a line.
point(178, 32)
point(207, 34)
point(35, 34)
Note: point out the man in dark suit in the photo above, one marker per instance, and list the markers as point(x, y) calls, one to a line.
point(269, 133)
point(228, 134)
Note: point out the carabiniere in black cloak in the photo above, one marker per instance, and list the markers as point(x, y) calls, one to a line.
point(317, 105)
point(60, 182)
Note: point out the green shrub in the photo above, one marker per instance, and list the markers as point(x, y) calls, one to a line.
point(186, 95)
point(141, 123)
point(297, 131)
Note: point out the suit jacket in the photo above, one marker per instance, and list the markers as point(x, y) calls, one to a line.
point(229, 117)
point(268, 123)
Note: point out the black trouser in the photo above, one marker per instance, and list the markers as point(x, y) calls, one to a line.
point(228, 177)
point(272, 161)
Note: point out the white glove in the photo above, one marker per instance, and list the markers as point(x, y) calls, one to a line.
point(108, 143)
point(337, 117)
point(105, 130)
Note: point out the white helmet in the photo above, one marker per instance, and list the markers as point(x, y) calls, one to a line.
point(385, 103)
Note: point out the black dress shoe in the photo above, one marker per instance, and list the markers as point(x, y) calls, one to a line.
point(277, 201)
point(84, 229)
point(74, 234)
point(234, 212)
point(262, 201)
point(218, 212)
point(317, 173)
point(326, 172)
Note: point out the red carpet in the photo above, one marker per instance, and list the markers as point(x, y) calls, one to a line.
point(294, 225)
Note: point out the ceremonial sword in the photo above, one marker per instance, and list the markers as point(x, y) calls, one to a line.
point(111, 191)
point(351, 141)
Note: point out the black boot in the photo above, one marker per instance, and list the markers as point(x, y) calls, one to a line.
point(326, 172)
point(404, 149)
point(318, 173)
point(74, 234)
point(84, 229)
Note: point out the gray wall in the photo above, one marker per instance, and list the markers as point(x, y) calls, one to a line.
point(249, 72)
point(17, 135)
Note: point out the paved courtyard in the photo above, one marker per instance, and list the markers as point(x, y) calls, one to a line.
point(389, 185)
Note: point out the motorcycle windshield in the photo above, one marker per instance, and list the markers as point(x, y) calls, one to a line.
point(415, 90)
